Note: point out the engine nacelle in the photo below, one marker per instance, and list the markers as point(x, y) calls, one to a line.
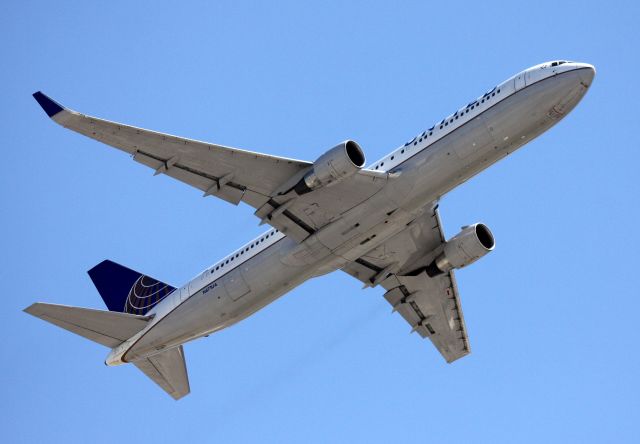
point(339, 162)
point(463, 249)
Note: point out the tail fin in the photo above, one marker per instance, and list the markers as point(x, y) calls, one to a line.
point(126, 290)
point(104, 327)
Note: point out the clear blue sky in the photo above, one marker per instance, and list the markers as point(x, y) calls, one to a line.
point(552, 313)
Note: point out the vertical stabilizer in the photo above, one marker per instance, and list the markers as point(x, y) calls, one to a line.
point(125, 290)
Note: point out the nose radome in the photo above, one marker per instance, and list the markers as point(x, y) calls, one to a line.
point(587, 72)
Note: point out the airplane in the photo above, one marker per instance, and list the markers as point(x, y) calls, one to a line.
point(380, 224)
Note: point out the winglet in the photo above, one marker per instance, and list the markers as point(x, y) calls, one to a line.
point(49, 106)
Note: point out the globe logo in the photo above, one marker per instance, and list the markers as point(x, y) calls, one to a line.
point(145, 293)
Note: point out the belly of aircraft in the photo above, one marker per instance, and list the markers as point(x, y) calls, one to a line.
point(436, 170)
point(221, 304)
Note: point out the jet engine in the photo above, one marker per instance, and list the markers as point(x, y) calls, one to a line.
point(463, 249)
point(339, 162)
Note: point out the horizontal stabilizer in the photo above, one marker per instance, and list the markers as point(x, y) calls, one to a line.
point(104, 327)
point(169, 370)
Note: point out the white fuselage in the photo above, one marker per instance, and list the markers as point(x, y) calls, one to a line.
point(418, 174)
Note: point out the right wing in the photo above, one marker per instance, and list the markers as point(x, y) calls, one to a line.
point(262, 181)
point(430, 305)
point(169, 370)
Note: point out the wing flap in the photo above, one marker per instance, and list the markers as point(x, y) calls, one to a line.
point(169, 370)
point(197, 178)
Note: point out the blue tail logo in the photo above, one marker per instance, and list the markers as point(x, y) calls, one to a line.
point(126, 290)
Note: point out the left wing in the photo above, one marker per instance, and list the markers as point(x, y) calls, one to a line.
point(229, 173)
point(262, 181)
point(431, 305)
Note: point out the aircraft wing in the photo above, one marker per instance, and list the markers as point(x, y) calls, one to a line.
point(262, 181)
point(431, 305)
point(229, 173)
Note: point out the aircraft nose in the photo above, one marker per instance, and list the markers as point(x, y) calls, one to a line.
point(587, 73)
